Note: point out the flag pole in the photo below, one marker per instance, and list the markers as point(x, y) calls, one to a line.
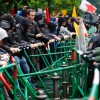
point(78, 10)
point(49, 7)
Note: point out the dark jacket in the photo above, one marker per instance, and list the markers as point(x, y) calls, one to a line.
point(24, 36)
point(34, 31)
point(70, 27)
point(96, 41)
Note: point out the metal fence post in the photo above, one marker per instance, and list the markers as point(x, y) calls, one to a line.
point(55, 86)
point(64, 83)
point(41, 95)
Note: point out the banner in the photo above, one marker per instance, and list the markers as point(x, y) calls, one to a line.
point(47, 15)
point(87, 7)
point(74, 12)
point(80, 40)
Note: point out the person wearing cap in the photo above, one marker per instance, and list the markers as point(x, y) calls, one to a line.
point(13, 49)
point(4, 56)
point(8, 17)
point(4, 24)
point(22, 30)
point(4, 59)
point(52, 27)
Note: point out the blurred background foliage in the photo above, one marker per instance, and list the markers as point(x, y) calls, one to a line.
point(7, 5)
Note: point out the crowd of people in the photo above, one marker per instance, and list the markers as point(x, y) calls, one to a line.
point(28, 30)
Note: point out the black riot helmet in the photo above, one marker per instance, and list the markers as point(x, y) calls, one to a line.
point(26, 23)
point(5, 25)
point(51, 26)
point(10, 19)
point(41, 23)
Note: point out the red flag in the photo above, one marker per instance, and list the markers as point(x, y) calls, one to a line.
point(88, 7)
point(12, 12)
point(47, 15)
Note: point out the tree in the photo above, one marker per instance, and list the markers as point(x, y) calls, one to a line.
point(62, 4)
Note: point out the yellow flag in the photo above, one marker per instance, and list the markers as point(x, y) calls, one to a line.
point(74, 12)
point(64, 12)
point(76, 29)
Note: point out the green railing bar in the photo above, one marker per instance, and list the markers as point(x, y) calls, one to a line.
point(81, 91)
point(43, 57)
point(85, 79)
point(26, 95)
point(50, 71)
point(50, 54)
point(95, 86)
point(6, 67)
point(36, 71)
point(44, 69)
point(48, 51)
point(49, 66)
point(58, 61)
point(66, 46)
point(77, 86)
point(1, 92)
point(12, 81)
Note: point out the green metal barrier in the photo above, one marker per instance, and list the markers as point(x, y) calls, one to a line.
point(4, 82)
point(95, 87)
point(54, 65)
point(72, 81)
point(16, 89)
point(1, 93)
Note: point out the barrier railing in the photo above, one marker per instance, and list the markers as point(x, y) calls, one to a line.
point(67, 82)
point(95, 86)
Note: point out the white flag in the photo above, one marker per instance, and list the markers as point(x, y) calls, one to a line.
point(80, 43)
point(87, 7)
point(80, 40)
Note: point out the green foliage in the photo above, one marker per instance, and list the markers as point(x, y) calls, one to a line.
point(62, 4)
